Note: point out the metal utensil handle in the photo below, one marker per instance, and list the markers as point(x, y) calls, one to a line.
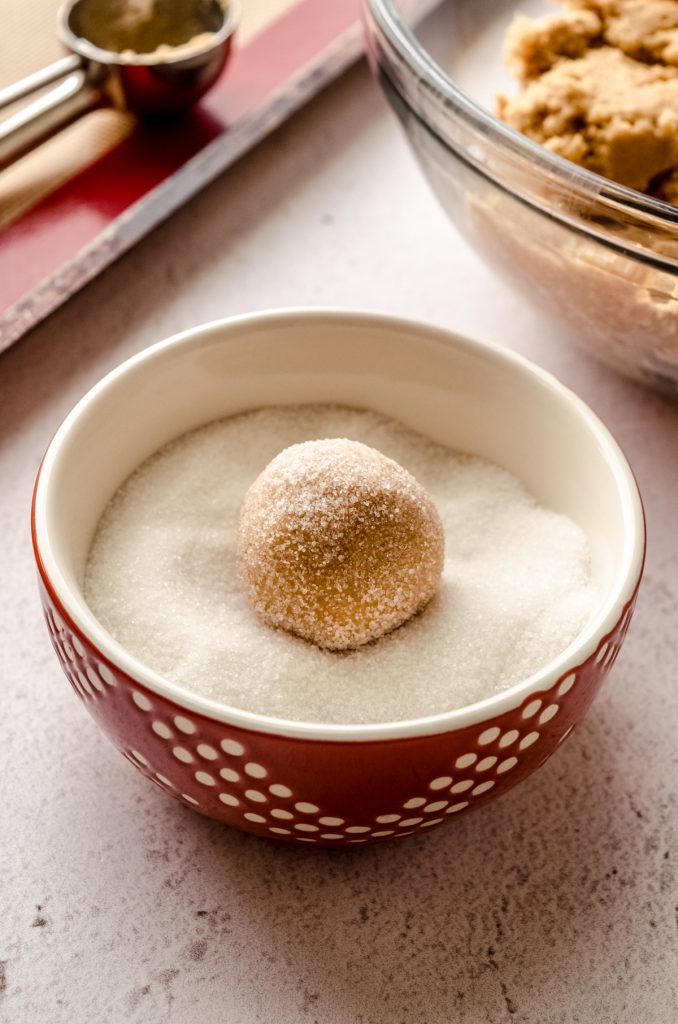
point(45, 76)
point(38, 121)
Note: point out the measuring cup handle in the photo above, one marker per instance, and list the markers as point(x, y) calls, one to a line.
point(39, 120)
point(45, 76)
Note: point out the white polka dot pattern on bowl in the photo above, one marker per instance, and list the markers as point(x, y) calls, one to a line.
point(206, 751)
point(90, 679)
point(277, 807)
point(197, 765)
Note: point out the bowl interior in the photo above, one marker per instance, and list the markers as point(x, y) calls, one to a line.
point(471, 397)
point(466, 39)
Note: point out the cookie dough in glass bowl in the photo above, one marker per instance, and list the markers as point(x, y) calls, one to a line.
point(599, 258)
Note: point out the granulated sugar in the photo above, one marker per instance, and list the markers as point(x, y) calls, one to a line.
point(162, 579)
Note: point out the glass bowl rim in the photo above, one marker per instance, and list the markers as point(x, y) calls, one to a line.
point(446, 94)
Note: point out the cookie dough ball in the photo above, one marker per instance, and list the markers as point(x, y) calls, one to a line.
point(338, 544)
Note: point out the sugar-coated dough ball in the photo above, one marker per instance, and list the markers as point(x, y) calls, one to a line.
point(338, 543)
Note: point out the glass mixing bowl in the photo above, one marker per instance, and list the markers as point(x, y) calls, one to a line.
point(599, 258)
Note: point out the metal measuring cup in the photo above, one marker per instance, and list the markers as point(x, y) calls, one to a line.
point(105, 68)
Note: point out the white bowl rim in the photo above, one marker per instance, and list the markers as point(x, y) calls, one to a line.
point(583, 646)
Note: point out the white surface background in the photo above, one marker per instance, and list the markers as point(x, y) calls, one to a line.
point(555, 904)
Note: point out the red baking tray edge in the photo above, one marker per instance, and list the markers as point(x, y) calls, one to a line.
point(78, 230)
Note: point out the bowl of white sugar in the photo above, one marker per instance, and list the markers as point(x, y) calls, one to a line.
point(335, 577)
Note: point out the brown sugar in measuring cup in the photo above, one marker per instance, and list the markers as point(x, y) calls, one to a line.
point(153, 58)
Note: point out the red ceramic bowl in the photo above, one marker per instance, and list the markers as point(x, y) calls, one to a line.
point(315, 783)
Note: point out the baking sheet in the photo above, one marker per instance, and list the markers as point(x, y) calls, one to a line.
point(69, 210)
point(32, 29)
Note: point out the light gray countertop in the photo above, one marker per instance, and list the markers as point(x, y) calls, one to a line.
point(557, 903)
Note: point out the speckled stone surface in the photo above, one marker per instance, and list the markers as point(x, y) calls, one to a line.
point(554, 905)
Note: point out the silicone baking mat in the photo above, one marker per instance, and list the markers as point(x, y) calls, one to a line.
point(73, 206)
